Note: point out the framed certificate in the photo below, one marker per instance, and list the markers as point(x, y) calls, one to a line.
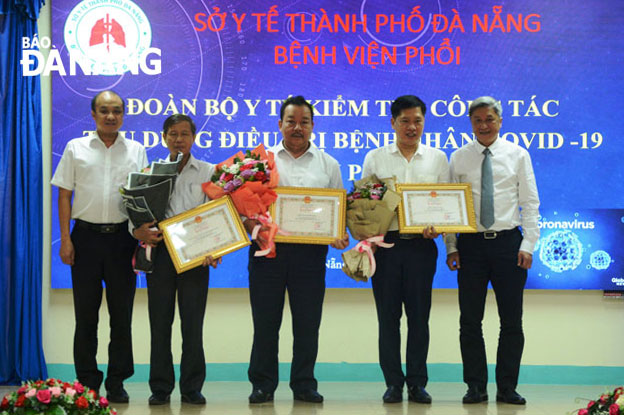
point(309, 215)
point(446, 206)
point(214, 228)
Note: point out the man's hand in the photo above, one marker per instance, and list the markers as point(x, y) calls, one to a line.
point(525, 260)
point(250, 224)
point(430, 233)
point(212, 262)
point(67, 251)
point(452, 261)
point(146, 234)
point(341, 243)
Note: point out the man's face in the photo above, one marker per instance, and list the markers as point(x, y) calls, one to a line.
point(180, 138)
point(108, 114)
point(486, 124)
point(408, 127)
point(296, 127)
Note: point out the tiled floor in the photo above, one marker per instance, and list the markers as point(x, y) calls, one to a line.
point(360, 398)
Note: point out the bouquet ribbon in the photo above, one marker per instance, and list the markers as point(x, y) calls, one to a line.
point(265, 220)
point(148, 248)
point(367, 246)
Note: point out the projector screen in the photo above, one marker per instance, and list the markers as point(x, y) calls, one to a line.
point(556, 67)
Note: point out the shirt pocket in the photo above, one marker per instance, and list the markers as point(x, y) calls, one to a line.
point(319, 179)
point(425, 178)
point(120, 174)
point(198, 196)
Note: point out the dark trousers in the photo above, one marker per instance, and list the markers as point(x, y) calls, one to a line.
point(403, 278)
point(300, 269)
point(495, 261)
point(192, 291)
point(103, 257)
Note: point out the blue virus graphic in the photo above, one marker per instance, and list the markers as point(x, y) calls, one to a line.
point(600, 259)
point(561, 251)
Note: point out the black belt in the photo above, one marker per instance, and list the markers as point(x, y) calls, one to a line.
point(490, 234)
point(396, 234)
point(102, 227)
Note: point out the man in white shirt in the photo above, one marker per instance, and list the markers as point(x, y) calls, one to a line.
point(99, 247)
point(505, 198)
point(164, 284)
point(404, 275)
point(296, 268)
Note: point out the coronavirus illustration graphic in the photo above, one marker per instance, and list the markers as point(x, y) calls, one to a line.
point(600, 259)
point(561, 251)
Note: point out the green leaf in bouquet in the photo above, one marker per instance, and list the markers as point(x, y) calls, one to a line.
point(56, 410)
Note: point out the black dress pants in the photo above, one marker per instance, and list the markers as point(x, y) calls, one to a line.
point(403, 278)
point(300, 270)
point(192, 291)
point(482, 261)
point(103, 257)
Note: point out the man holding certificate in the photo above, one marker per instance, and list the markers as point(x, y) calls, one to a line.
point(404, 274)
point(505, 198)
point(164, 282)
point(296, 268)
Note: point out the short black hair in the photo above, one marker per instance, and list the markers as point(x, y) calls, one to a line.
point(94, 99)
point(406, 102)
point(178, 118)
point(298, 101)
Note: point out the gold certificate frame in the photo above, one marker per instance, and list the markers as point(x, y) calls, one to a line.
point(309, 215)
point(214, 228)
point(448, 207)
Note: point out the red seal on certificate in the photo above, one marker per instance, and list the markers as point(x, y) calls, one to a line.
point(433, 193)
point(307, 199)
point(198, 219)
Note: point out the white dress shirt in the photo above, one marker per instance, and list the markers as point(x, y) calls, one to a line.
point(516, 201)
point(427, 165)
point(314, 168)
point(187, 191)
point(95, 173)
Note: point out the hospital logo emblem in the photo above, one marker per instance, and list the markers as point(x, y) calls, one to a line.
point(109, 37)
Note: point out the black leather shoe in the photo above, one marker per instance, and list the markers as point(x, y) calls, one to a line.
point(418, 394)
point(194, 398)
point(260, 396)
point(117, 395)
point(158, 399)
point(475, 394)
point(394, 394)
point(308, 395)
point(510, 396)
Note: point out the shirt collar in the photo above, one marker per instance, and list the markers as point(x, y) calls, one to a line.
point(420, 150)
point(493, 147)
point(191, 163)
point(312, 150)
point(121, 138)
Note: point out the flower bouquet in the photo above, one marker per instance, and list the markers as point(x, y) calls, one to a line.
point(608, 404)
point(146, 197)
point(249, 179)
point(371, 208)
point(54, 397)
